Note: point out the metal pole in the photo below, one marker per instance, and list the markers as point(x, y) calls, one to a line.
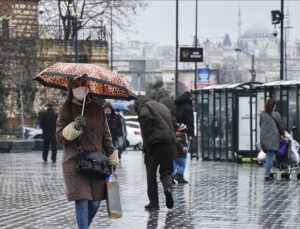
point(111, 40)
point(176, 53)
point(196, 38)
point(76, 39)
point(285, 55)
point(251, 126)
point(22, 112)
point(281, 39)
point(252, 68)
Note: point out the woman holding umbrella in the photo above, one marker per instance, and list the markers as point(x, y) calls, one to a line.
point(90, 133)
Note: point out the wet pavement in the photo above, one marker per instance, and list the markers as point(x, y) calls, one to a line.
point(219, 195)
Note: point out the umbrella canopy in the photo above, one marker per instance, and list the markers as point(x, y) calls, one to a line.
point(119, 106)
point(102, 82)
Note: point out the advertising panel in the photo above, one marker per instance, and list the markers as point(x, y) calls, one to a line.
point(203, 77)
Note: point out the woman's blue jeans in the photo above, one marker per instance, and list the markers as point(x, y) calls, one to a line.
point(269, 161)
point(179, 165)
point(85, 212)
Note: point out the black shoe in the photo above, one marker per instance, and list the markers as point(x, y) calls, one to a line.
point(169, 198)
point(152, 206)
point(269, 177)
point(180, 179)
point(53, 161)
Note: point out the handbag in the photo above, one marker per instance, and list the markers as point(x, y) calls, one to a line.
point(93, 165)
point(283, 147)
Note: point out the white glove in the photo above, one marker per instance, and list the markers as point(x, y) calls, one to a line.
point(70, 133)
point(113, 160)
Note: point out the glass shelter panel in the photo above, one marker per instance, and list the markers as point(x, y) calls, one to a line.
point(292, 110)
point(205, 125)
point(223, 135)
point(260, 108)
point(217, 126)
point(211, 129)
point(230, 125)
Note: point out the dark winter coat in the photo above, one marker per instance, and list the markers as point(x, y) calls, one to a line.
point(114, 123)
point(47, 121)
point(184, 112)
point(181, 145)
point(95, 137)
point(155, 122)
point(269, 133)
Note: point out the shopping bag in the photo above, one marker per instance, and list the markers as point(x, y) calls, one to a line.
point(113, 200)
point(261, 156)
point(283, 147)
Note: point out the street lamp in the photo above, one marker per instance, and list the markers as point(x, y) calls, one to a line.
point(252, 71)
point(278, 18)
point(285, 50)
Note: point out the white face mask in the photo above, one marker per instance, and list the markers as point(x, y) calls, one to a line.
point(80, 92)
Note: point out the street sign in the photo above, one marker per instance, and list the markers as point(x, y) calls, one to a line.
point(276, 17)
point(191, 54)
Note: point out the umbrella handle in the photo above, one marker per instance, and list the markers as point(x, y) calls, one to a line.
point(83, 105)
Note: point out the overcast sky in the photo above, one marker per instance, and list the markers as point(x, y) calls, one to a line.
point(215, 18)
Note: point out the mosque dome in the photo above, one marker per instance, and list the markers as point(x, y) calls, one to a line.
point(258, 31)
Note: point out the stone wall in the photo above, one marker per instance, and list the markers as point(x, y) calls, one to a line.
point(21, 16)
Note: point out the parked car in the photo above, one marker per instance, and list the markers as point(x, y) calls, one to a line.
point(29, 132)
point(134, 137)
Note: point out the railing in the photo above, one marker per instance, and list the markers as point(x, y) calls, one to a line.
point(85, 33)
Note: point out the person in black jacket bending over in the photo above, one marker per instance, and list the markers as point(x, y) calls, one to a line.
point(47, 121)
point(158, 135)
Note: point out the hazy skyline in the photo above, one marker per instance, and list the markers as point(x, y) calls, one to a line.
point(215, 18)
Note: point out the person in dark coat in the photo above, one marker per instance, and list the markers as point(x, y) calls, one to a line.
point(114, 123)
point(47, 121)
point(184, 114)
point(270, 135)
point(122, 132)
point(157, 129)
point(89, 132)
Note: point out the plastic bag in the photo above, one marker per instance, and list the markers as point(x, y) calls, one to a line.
point(261, 156)
point(294, 151)
point(113, 199)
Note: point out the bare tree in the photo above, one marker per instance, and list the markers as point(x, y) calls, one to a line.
point(89, 13)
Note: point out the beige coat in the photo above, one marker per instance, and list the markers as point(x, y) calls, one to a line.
point(95, 137)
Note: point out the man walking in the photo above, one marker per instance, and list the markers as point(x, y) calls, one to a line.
point(158, 146)
point(47, 121)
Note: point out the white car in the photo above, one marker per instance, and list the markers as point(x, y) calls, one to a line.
point(134, 136)
point(29, 132)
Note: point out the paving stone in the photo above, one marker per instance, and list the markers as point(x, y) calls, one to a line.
point(218, 195)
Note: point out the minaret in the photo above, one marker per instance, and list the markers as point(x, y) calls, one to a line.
point(287, 24)
point(239, 24)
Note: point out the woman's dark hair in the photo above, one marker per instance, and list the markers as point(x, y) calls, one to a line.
point(269, 106)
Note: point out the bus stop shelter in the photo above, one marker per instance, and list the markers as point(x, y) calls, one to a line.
point(226, 121)
point(287, 97)
point(228, 126)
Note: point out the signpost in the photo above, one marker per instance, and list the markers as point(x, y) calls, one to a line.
point(191, 54)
